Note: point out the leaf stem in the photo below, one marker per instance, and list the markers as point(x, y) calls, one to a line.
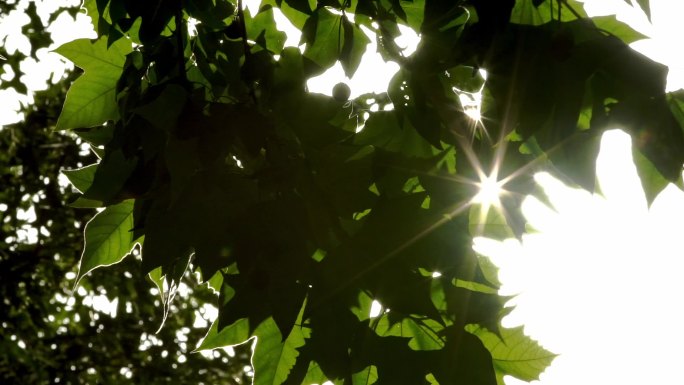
point(246, 47)
point(243, 28)
point(570, 8)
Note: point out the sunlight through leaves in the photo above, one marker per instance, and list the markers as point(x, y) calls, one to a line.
point(596, 275)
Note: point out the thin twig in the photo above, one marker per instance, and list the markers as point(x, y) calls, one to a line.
point(179, 42)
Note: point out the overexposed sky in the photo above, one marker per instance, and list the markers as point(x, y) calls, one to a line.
point(600, 281)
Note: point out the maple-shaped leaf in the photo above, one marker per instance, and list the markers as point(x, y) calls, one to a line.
point(91, 100)
point(514, 353)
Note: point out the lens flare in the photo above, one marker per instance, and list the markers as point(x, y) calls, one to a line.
point(490, 192)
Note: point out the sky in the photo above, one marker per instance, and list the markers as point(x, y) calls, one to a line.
point(598, 282)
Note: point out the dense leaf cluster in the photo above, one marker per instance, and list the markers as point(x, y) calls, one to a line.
point(301, 209)
point(50, 331)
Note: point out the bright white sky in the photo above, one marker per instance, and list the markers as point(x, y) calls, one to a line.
point(600, 282)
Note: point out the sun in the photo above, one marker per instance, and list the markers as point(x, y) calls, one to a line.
point(490, 192)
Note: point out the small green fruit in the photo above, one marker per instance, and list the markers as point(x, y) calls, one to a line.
point(341, 92)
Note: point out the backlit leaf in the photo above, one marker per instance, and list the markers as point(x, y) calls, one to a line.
point(274, 358)
point(514, 353)
point(353, 47)
point(237, 333)
point(367, 376)
point(81, 178)
point(324, 45)
point(264, 23)
point(108, 237)
point(91, 100)
point(314, 375)
point(414, 10)
point(617, 28)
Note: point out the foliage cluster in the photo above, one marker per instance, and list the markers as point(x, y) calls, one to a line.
point(50, 332)
point(301, 209)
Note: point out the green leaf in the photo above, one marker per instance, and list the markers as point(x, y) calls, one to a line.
point(315, 375)
point(415, 11)
point(475, 286)
point(617, 28)
point(324, 40)
point(366, 376)
point(264, 23)
point(296, 11)
point(96, 136)
point(90, 7)
point(424, 334)
point(274, 358)
point(235, 334)
point(526, 12)
point(537, 12)
point(215, 282)
point(110, 176)
point(108, 237)
point(383, 130)
point(91, 100)
point(652, 181)
point(353, 48)
point(514, 353)
point(81, 178)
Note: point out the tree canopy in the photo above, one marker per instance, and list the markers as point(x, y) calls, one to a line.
point(303, 210)
point(51, 331)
